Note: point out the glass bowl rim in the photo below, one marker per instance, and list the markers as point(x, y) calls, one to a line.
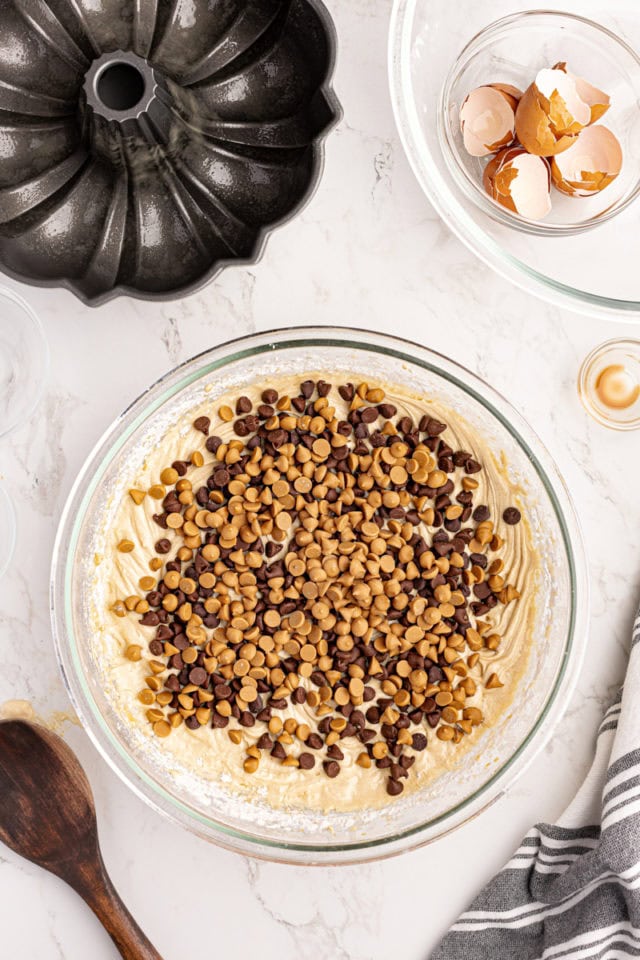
point(473, 189)
point(447, 204)
point(114, 438)
point(6, 504)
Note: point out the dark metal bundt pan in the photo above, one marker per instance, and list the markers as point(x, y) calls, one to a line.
point(145, 144)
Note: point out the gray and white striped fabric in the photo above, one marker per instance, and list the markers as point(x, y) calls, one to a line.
point(572, 889)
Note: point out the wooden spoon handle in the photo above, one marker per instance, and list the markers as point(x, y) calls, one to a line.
point(104, 900)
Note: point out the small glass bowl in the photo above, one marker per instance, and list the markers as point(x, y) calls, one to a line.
point(624, 353)
point(595, 272)
point(24, 360)
point(7, 531)
point(512, 50)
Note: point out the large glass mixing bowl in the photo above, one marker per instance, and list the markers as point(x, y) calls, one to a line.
point(436, 51)
point(487, 769)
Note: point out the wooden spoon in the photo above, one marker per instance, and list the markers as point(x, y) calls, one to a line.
point(47, 815)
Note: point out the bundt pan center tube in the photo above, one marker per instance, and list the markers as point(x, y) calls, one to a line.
point(146, 144)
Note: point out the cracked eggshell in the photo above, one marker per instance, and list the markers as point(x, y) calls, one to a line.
point(589, 165)
point(487, 118)
point(597, 100)
point(512, 93)
point(551, 113)
point(519, 181)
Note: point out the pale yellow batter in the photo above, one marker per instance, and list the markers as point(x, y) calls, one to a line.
point(209, 753)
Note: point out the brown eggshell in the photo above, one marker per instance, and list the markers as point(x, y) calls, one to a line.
point(534, 129)
point(598, 101)
point(592, 163)
point(520, 182)
point(490, 174)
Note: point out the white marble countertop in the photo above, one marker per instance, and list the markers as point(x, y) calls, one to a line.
point(367, 251)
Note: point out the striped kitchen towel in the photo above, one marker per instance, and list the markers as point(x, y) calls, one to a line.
point(572, 889)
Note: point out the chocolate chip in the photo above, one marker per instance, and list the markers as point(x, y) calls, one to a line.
point(481, 513)
point(198, 676)
point(331, 768)
point(150, 619)
point(387, 410)
point(202, 424)
point(512, 516)
point(398, 772)
point(479, 560)
point(434, 427)
point(306, 388)
point(368, 415)
point(419, 741)
point(221, 477)
point(163, 546)
point(307, 761)
point(482, 590)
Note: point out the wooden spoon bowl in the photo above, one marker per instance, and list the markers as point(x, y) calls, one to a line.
point(47, 815)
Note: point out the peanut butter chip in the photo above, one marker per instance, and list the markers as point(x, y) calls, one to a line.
point(169, 476)
point(272, 618)
point(398, 475)
point(321, 448)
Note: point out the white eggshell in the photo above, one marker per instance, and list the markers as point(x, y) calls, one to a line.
point(530, 189)
point(487, 121)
